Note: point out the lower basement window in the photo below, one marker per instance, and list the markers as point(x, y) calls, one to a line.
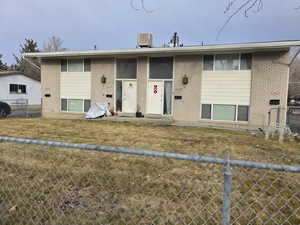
point(222, 112)
point(75, 105)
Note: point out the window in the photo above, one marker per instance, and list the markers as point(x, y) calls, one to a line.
point(161, 68)
point(17, 89)
point(75, 105)
point(246, 61)
point(206, 111)
point(64, 105)
point(87, 65)
point(126, 68)
point(227, 62)
point(87, 105)
point(208, 62)
point(167, 97)
point(223, 62)
point(75, 65)
point(64, 65)
point(243, 113)
point(119, 96)
point(225, 112)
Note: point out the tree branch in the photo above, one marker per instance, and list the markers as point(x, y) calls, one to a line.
point(246, 6)
point(141, 7)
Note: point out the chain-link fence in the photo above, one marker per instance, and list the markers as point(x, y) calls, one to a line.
point(21, 108)
point(45, 182)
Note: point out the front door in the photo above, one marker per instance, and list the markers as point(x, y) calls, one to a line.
point(129, 96)
point(155, 97)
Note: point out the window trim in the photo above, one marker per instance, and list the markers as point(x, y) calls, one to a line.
point(82, 99)
point(226, 121)
point(214, 62)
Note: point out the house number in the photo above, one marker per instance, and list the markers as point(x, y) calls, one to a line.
point(155, 89)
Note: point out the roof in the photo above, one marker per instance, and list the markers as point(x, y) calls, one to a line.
point(11, 73)
point(260, 46)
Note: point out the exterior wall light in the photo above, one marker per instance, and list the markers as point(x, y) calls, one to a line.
point(185, 80)
point(103, 79)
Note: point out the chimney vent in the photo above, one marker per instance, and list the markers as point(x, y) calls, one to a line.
point(145, 40)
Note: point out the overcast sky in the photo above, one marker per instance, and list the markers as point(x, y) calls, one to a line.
point(114, 24)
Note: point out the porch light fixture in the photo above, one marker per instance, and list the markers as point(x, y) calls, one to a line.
point(103, 79)
point(185, 80)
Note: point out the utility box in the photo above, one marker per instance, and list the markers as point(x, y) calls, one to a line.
point(145, 40)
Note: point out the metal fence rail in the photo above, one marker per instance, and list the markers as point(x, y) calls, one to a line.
point(196, 158)
point(249, 192)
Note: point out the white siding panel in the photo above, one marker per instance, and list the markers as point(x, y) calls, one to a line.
point(75, 85)
point(226, 87)
point(33, 89)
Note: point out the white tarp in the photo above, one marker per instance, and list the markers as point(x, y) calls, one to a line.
point(98, 109)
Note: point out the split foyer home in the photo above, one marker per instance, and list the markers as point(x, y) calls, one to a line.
point(240, 85)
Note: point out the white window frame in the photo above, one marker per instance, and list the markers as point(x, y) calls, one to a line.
point(83, 66)
point(214, 62)
point(226, 121)
point(83, 99)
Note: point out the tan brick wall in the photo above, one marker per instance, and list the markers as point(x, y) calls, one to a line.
point(50, 80)
point(100, 67)
point(142, 73)
point(188, 108)
point(269, 81)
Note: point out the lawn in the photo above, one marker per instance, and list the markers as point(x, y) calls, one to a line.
point(43, 185)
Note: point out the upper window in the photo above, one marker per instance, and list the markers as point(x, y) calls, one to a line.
point(126, 68)
point(75, 65)
point(223, 62)
point(161, 68)
point(17, 89)
point(227, 62)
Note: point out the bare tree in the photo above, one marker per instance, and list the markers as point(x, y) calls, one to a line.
point(235, 7)
point(232, 9)
point(139, 5)
point(54, 45)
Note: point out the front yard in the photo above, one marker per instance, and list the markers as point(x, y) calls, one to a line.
point(44, 185)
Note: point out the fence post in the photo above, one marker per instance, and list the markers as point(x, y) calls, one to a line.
point(227, 191)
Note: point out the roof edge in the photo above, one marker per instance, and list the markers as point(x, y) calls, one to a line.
point(274, 45)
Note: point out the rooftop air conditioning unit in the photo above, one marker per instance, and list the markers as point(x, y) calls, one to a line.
point(145, 40)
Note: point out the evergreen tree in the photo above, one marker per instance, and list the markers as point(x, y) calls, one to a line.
point(3, 66)
point(28, 46)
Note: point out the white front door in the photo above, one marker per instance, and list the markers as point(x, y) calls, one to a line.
point(129, 96)
point(155, 97)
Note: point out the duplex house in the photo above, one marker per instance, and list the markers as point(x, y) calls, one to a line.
point(232, 85)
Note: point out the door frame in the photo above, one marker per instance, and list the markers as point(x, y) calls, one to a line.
point(119, 79)
point(115, 101)
point(173, 85)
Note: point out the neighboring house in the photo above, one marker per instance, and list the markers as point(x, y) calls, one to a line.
point(233, 85)
point(16, 86)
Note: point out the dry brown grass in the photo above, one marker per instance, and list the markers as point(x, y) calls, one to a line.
point(63, 186)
